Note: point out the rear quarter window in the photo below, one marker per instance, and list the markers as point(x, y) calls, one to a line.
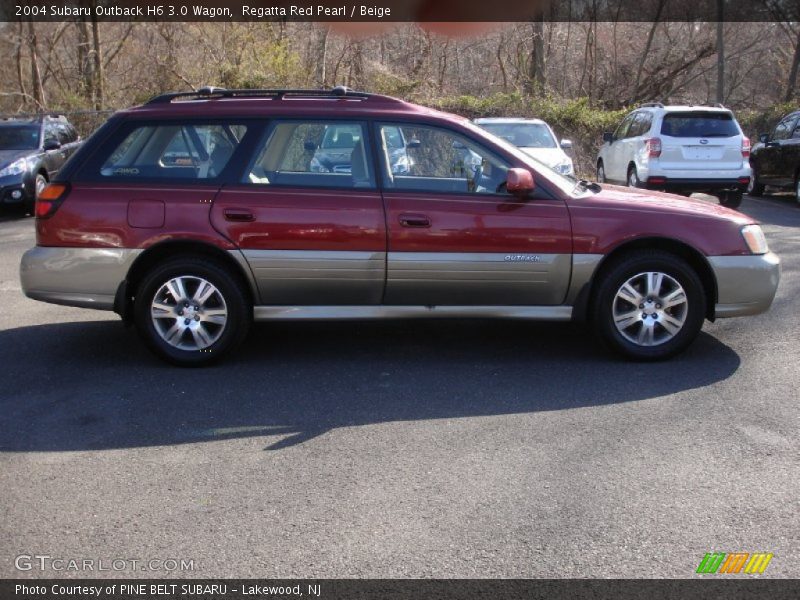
point(699, 125)
point(173, 151)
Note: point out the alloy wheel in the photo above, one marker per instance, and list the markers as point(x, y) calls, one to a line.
point(189, 313)
point(650, 308)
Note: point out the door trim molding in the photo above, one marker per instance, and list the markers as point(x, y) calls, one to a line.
point(328, 313)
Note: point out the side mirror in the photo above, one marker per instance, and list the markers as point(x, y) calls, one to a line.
point(608, 137)
point(51, 144)
point(310, 145)
point(566, 144)
point(763, 138)
point(519, 181)
point(413, 144)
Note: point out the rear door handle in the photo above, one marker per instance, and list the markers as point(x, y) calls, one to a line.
point(239, 215)
point(409, 220)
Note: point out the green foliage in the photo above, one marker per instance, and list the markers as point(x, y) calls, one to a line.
point(755, 122)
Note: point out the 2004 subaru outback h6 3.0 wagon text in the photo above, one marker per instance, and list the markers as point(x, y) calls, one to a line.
point(198, 212)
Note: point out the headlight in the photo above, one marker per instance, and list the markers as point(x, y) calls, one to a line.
point(754, 238)
point(15, 168)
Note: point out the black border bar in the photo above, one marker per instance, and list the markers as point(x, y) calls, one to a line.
point(733, 588)
point(386, 11)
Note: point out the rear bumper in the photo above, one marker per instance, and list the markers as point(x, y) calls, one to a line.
point(696, 185)
point(746, 285)
point(84, 277)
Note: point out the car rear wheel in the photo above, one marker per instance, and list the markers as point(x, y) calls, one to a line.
point(649, 305)
point(191, 312)
point(730, 199)
point(633, 178)
point(754, 188)
point(601, 172)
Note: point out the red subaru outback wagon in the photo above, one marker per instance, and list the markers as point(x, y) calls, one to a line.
point(197, 213)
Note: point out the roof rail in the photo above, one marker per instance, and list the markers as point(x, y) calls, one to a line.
point(32, 116)
point(210, 92)
point(719, 105)
point(651, 105)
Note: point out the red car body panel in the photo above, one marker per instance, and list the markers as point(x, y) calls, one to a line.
point(97, 216)
point(312, 219)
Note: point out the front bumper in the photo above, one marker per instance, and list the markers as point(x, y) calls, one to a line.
point(746, 285)
point(84, 277)
point(16, 183)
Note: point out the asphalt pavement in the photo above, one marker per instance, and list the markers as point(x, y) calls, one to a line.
point(399, 449)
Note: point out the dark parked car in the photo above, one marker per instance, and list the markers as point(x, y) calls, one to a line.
point(193, 218)
point(776, 159)
point(32, 152)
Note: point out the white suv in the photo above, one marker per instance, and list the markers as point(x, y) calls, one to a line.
point(680, 149)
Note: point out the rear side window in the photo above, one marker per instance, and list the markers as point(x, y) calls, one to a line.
point(176, 151)
point(699, 125)
point(314, 154)
point(641, 124)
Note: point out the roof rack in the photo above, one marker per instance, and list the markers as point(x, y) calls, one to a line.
point(211, 92)
point(651, 105)
point(33, 116)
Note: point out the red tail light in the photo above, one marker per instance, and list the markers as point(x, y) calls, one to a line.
point(654, 147)
point(50, 199)
point(745, 147)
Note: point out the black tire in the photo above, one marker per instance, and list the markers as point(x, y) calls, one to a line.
point(39, 184)
point(633, 178)
point(754, 188)
point(797, 188)
point(236, 302)
point(601, 172)
point(730, 199)
point(605, 298)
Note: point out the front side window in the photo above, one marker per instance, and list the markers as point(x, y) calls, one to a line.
point(177, 151)
point(439, 160)
point(784, 129)
point(314, 154)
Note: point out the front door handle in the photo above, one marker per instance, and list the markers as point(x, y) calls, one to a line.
point(239, 215)
point(409, 220)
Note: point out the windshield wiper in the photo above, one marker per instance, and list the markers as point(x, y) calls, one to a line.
point(587, 185)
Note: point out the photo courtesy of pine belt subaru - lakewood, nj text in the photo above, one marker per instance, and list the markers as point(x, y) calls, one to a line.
point(199, 212)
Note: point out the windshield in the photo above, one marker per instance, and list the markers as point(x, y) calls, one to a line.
point(565, 184)
point(19, 137)
point(523, 135)
point(699, 125)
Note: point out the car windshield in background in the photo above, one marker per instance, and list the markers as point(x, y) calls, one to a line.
point(523, 135)
point(699, 125)
point(19, 137)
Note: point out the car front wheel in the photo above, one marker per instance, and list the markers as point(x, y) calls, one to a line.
point(754, 188)
point(191, 312)
point(649, 305)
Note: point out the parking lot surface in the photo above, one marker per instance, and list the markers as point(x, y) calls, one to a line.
point(400, 449)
